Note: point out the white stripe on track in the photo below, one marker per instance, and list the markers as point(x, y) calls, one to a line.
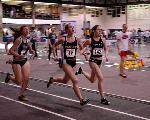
point(38, 108)
point(108, 109)
point(92, 91)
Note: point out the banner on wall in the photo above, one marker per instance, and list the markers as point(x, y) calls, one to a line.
point(73, 23)
point(139, 12)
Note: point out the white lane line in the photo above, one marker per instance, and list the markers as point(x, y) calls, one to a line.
point(95, 91)
point(78, 59)
point(91, 90)
point(80, 62)
point(108, 109)
point(108, 65)
point(38, 108)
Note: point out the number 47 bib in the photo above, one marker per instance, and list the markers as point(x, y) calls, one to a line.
point(70, 52)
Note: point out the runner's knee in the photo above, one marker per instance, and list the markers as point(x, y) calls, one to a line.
point(92, 80)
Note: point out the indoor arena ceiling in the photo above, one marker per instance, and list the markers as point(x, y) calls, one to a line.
point(100, 3)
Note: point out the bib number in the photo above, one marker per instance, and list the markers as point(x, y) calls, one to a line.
point(70, 52)
point(24, 50)
point(97, 51)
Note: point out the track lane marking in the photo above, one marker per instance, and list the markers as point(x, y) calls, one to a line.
point(93, 91)
point(35, 107)
point(108, 109)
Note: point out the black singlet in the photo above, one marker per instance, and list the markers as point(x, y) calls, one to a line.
point(96, 48)
point(69, 52)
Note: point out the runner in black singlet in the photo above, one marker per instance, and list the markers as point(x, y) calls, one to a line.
point(20, 63)
point(97, 43)
point(68, 51)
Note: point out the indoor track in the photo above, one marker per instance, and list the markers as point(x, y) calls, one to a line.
point(59, 103)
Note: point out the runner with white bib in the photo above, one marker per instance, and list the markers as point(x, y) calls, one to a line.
point(69, 47)
point(97, 44)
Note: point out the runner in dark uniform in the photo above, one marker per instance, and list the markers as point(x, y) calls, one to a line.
point(97, 44)
point(51, 41)
point(68, 52)
point(96, 51)
point(20, 63)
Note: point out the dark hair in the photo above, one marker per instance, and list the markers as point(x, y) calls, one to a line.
point(66, 27)
point(32, 28)
point(124, 25)
point(16, 33)
point(22, 27)
point(93, 30)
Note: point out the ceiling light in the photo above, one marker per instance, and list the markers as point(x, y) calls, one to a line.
point(50, 3)
point(92, 7)
point(20, 1)
point(5, 0)
point(42, 3)
point(38, 3)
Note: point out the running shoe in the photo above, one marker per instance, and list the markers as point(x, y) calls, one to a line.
point(9, 62)
point(123, 75)
point(104, 101)
point(49, 82)
point(22, 98)
point(84, 102)
point(79, 71)
point(7, 79)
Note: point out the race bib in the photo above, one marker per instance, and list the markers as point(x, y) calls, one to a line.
point(70, 52)
point(24, 50)
point(97, 51)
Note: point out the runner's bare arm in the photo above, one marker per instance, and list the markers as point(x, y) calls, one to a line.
point(79, 43)
point(83, 45)
point(60, 41)
point(87, 42)
point(13, 49)
point(105, 48)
